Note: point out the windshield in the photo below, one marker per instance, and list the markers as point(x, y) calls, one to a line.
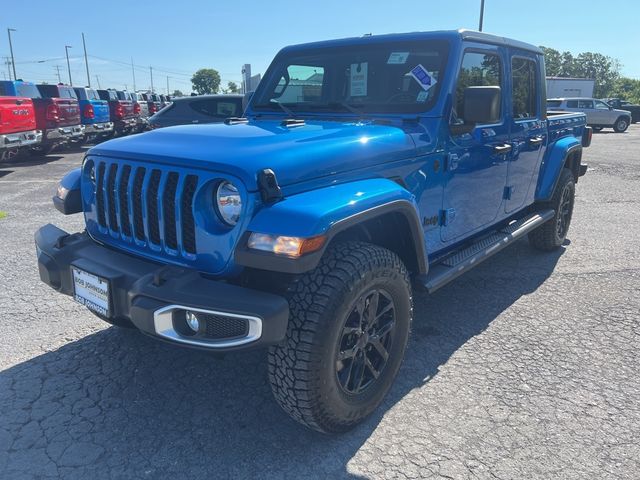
point(398, 77)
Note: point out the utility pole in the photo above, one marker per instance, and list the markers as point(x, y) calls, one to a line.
point(133, 72)
point(86, 62)
point(98, 82)
point(151, 72)
point(13, 60)
point(58, 71)
point(167, 84)
point(66, 50)
point(481, 15)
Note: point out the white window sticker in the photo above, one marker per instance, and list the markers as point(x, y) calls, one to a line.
point(422, 96)
point(423, 77)
point(398, 58)
point(359, 79)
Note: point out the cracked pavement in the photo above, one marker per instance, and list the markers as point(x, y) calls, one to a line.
point(526, 367)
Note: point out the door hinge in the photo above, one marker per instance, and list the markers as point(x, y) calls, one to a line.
point(451, 162)
point(447, 216)
point(508, 192)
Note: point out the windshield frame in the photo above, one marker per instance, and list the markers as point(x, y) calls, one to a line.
point(290, 56)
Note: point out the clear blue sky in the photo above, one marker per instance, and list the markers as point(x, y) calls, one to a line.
point(178, 37)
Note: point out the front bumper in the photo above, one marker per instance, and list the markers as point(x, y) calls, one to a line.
point(73, 133)
point(148, 294)
point(98, 128)
point(20, 139)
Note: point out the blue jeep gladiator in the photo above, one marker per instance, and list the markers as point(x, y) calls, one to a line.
point(362, 167)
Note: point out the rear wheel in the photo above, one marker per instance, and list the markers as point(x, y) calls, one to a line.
point(621, 125)
point(346, 338)
point(552, 234)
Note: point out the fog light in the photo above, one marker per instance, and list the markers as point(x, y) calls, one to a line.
point(192, 321)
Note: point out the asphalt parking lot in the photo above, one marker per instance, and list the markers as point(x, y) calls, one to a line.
point(527, 367)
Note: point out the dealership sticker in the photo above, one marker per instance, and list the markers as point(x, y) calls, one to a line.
point(359, 79)
point(422, 96)
point(423, 77)
point(398, 58)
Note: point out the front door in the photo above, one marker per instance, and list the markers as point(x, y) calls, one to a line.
point(528, 132)
point(476, 166)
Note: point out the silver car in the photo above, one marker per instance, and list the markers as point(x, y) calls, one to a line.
point(599, 114)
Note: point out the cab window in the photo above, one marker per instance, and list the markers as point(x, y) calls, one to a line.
point(524, 88)
point(477, 70)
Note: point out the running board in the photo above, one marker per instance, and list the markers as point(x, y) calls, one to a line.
point(455, 265)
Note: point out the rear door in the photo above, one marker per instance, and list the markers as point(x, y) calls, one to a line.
point(476, 169)
point(528, 127)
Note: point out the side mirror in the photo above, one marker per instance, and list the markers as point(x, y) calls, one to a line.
point(481, 105)
point(67, 199)
point(246, 99)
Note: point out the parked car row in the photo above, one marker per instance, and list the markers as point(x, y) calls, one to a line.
point(40, 117)
point(600, 114)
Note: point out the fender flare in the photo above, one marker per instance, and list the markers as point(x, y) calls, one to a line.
point(556, 157)
point(329, 211)
point(71, 202)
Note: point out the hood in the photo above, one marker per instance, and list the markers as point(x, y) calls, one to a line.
point(295, 154)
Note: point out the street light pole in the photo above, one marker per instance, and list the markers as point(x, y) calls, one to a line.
point(13, 61)
point(66, 49)
point(151, 72)
point(167, 84)
point(86, 62)
point(481, 15)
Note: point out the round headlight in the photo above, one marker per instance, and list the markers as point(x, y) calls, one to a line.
point(228, 203)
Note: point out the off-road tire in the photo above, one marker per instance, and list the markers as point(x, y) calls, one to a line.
point(547, 236)
point(302, 370)
point(621, 125)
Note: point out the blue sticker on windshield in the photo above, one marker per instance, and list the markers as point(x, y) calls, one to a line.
point(423, 77)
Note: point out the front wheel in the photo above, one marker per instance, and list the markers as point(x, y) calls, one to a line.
point(346, 338)
point(621, 125)
point(552, 234)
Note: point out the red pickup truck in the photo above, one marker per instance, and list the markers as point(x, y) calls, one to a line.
point(123, 110)
point(17, 123)
point(58, 114)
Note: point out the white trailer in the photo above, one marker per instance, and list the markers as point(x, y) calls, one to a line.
point(560, 87)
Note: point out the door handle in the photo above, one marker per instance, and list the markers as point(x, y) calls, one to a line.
point(535, 141)
point(502, 149)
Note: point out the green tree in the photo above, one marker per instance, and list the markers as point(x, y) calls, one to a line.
point(206, 80)
point(232, 87)
point(604, 70)
point(177, 93)
point(627, 89)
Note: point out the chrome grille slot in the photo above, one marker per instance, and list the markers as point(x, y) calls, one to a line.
point(148, 208)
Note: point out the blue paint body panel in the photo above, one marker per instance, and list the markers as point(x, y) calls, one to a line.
point(337, 165)
point(314, 212)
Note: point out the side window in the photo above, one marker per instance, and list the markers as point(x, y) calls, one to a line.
point(525, 91)
point(214, 108)
point(572, 103)
point(303, 83)
point(586, 104)
point(601, 105)
point(477, 69)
